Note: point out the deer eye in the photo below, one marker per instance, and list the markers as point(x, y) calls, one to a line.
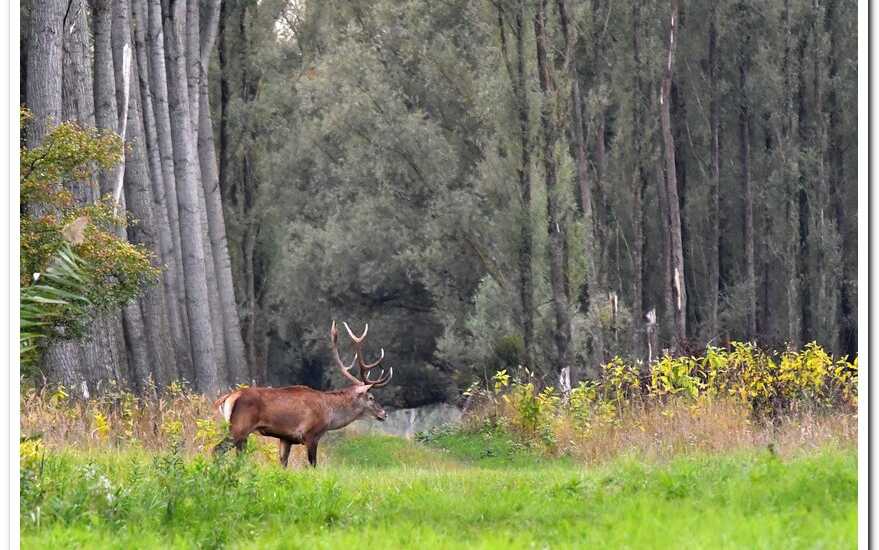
point(371, 398)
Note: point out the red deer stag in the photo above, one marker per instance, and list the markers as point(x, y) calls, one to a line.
point(301, 415)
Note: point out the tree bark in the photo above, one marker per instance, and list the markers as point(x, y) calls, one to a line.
point(803, 214)
point(674, 215)
point(846, 219)
point(748, 197)
point(158, 87)
point(639, 184)
point(223, 146)
point(44, 67)
point(139, 201)
point(169, 257)
point(231, 330)
point(194, 73)
point(714, 182)
point(100, 354)
point(790, 176)
point(186, 176)
point(555, 227)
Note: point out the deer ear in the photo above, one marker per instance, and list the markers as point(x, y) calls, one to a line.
point(362, 388)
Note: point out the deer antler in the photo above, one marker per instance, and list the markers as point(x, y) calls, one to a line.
point(384, 378)
point(346, 371)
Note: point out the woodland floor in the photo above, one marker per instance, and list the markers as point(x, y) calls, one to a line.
point(456, 490)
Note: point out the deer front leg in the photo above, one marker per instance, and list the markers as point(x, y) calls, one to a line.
point(223, 446)
point(284, 452)
point(311, 445)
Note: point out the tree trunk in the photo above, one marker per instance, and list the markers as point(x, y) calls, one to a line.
point(100, 354)
point(193, 73)
point(555, 227)
point(159, 91)
point(223, 146)
point(193, 56)
point(139, 201)
point(110, 86)
point(714, 182)
point(803, 215)
point(790, 167)
point(674, 215)
point(847, 319)
point(520, 95)
point(592, 251)
point(231, 330)
point(186, 176)
point(639, 184)
point(44, 67)
point(748, 197)
point(169, 255)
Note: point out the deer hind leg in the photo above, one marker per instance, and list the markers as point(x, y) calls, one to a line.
point(284, 452)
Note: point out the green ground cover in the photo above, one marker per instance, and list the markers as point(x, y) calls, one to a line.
point(448, 491)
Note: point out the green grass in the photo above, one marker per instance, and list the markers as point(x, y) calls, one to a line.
point(453, 490)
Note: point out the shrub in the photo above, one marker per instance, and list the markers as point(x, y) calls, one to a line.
point(73, 261)
point(747, 383)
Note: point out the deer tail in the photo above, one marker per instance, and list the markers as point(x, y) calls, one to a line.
point(226, 403)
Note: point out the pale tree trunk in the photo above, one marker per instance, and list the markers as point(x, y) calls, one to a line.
point(231, 330)
point(108, 72)
point(520, 93)
point(44, 66)
point(186, 176)
point(62, 361)
point(100, 353)
point(170, 272)
point(193, 76)
point(555, 223)
point(676, 253)
point(159, 90)
point(193, 56)
point(139, 202)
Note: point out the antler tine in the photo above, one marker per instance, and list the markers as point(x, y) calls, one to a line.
point(346, 371)
point(357, 339)
point(382, 380)
point(369, 366)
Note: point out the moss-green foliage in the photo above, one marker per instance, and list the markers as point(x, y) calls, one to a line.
point(437, 499)
point(72, 260)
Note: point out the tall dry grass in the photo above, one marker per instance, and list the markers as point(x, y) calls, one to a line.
point(653, 431)
point(662, 432)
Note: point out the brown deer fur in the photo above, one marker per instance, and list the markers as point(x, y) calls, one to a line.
point(299, 415)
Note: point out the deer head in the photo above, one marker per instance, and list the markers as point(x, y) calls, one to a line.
point(362, 385)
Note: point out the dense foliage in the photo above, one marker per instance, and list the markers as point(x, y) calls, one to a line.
point(768, 387)
point(73, 264)
point(372, 168)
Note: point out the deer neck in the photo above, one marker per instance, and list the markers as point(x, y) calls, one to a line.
point(344, 411)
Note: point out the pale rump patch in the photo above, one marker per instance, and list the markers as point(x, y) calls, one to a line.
point(228, 404)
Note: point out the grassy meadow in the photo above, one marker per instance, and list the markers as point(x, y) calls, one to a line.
point(479, 490)
point(733, 450)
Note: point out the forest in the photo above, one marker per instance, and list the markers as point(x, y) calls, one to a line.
point(606, 252)
point(493, 185)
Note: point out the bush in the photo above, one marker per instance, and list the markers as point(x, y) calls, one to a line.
point(73, 261)
point(730, 389)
